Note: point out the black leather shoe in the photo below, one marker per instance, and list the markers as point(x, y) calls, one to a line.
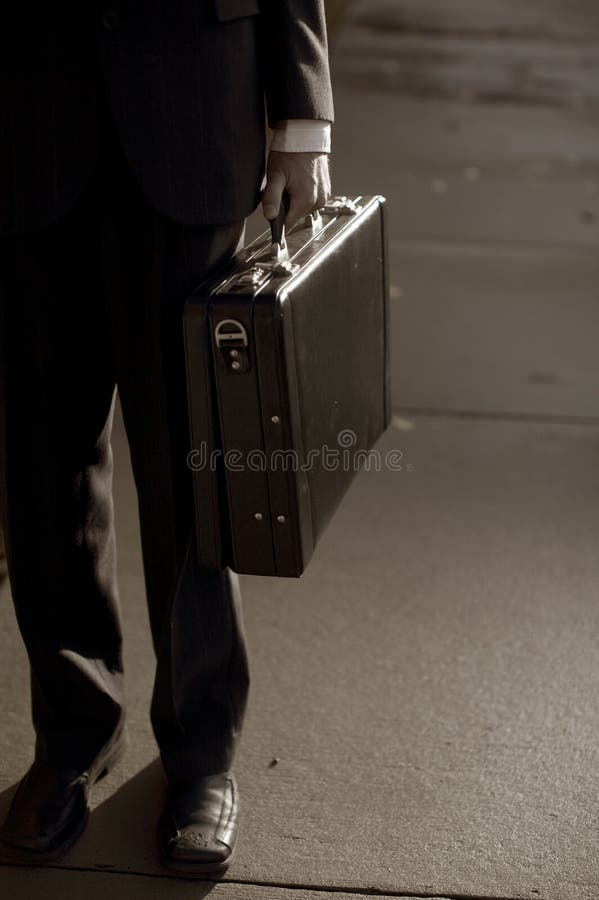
point(197, 832)
point(49, 809)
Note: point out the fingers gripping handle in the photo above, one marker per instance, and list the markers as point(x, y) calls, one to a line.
point(277, 227)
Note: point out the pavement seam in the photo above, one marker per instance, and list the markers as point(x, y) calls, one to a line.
point(285, 885)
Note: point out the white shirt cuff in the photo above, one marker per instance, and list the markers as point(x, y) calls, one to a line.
point(302, 136)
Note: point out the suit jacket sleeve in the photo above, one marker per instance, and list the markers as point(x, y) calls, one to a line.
point(296, 61)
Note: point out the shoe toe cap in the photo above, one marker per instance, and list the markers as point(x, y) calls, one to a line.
point(192, 845)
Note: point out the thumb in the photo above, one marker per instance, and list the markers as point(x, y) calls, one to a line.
point(273, 194)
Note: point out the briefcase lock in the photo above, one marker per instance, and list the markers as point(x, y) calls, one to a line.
point(343, 206)
point(283, 269)
point(253, 277)
point(231, 339)
point(249, 279)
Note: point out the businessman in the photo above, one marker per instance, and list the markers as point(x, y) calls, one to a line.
point(132, 149)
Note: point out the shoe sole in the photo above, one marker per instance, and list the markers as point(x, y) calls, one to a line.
point(104, 765)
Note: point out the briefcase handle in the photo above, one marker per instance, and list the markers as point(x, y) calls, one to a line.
point(279, 250)
point(277, 228)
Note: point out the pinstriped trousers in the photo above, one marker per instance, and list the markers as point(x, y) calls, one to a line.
point(87, 304)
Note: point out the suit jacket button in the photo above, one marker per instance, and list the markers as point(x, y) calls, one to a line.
point(110, 18)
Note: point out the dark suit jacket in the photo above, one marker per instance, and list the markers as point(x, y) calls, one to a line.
point(186, 82)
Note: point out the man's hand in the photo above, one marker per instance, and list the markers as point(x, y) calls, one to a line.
point(304, 176)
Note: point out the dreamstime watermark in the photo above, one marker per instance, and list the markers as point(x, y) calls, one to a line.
point(346, 457)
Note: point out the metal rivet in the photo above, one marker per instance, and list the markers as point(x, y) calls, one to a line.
point(236, 365)
point(275, 419)
point(258, 516)
point(281, 519)
point(233, 353)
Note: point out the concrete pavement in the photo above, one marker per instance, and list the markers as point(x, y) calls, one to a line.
point(428, 688)
point(429, 692)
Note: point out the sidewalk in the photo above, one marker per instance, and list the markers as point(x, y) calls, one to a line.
point(428, 688)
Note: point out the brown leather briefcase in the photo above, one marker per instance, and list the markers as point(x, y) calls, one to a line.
point(287, 354)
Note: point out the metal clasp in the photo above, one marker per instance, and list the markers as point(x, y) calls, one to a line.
point(231, 339)
point(343, 206)
point(313, 221)
point(236, 335)
point(284, 269)
point(251, 278)
point(279, 253)
point(278, 265)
